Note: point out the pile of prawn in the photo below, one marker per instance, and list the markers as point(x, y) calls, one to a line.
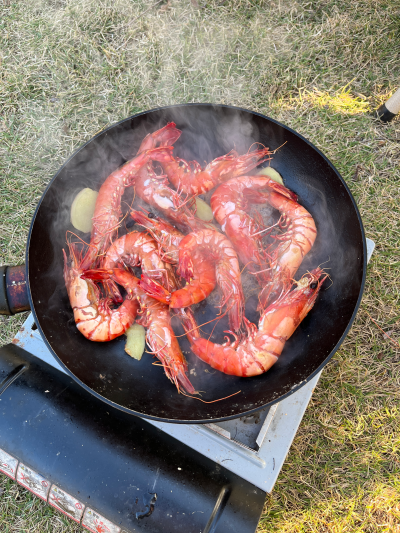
point(183, 259)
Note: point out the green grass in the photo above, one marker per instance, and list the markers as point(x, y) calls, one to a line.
point(69, 68)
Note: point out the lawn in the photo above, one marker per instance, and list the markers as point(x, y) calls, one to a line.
point(69, 68)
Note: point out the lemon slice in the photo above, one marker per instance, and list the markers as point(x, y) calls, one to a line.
point(135, 341)
point(82, 210)
point(203, 210)
point(271, 173)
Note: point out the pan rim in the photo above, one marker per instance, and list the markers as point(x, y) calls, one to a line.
point(295, 388)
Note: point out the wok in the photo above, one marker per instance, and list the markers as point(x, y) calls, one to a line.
point(139, 387)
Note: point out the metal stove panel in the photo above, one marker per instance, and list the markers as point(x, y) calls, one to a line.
point(261, 467)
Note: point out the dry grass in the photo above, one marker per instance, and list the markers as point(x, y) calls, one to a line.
point(69, 68)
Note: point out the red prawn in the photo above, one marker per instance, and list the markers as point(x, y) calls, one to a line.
point(206, 258)
point(261, 347)
point(155, 317)
point(139, 249)
point(93, 315)
point(286, 256)
point(107, 211)
point(230, 204)
point(193, 180)
point(154, 189)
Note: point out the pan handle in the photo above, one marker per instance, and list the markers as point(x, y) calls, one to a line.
point(13, 290)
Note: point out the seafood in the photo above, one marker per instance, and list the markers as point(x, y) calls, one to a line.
point(296, 241)
point(155, 317)
point(260, 349)
point(191, 179)
point(165, 136)
point(93, 315)
point(154, 188)
point(206, 257)
point(155, 191)
point(230, 203)
point(139, 249)
point(167, 236)
point(108, 204)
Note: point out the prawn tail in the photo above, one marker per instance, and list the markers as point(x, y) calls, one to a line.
point(97, 274)
point(112, 291)
point(164, 345)
point(154, 289)
point(110, 287)
point(166, 136)
point(185, 269)
point(162, 154)
point(189, 324)
point(184, 382)
point(255, 196)
point(233, 298)
point(281, 189)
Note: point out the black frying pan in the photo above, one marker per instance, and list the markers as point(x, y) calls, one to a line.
point(141, 388)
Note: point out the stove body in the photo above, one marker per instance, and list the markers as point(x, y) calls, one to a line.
point(111, 471)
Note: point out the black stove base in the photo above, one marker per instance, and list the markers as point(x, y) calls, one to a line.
point(109, 470)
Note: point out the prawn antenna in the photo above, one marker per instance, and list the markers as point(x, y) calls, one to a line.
point(219, 318)
point(256, 144)
point(266, 229)
point(201, 325)
point(212, 401)
point(327, 261)
point(77, 236)
point(279, 147)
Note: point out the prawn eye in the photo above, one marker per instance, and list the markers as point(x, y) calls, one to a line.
point(151, 215)
point(313, 285)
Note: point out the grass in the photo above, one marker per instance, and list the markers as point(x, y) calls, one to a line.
point(69, 68)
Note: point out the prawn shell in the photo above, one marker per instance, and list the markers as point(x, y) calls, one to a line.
point(259, 350)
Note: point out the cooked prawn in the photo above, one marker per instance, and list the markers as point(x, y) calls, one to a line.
point(139, 249)
point(93, 316)
point(230, 206)
point(165, 136)
point(154, 188)
point(167, 236)
point(190, 178)
point(155, 316)
point(155, 191)
point(107, 211)
point(205, 258)
point(295, 242)
point(260, 349)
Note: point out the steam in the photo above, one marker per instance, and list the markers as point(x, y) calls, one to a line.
point(206, 133)
point(238, 132)
point(327, 251)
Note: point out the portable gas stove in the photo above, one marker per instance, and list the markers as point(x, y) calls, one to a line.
point(113, 472)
